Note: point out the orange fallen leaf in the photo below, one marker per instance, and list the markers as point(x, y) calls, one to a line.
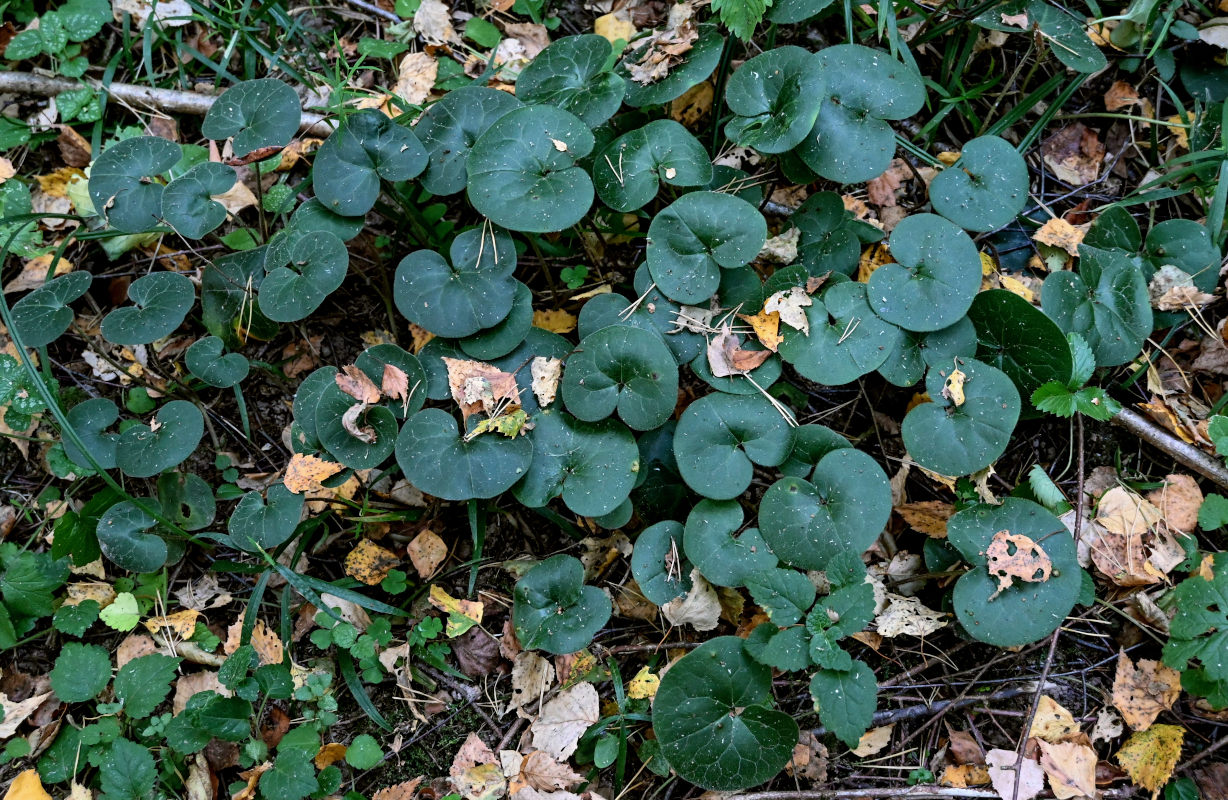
point(427, 551)
point(329, 754)
point(1141, 692)
point(357, 385)
point(181, 623)
point(306, 472)
point(370, 563)
point(927, 516)
point(555, 321)
point(1011, 556)
point(1059, 233)
point(766, 325)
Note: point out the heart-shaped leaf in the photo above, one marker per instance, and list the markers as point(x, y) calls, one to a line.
point(123, 183)
point(571, 73)
point(474, 292)
point(265, 522)
point(658, 564)
point(937, 274)
point(696, 65)
point(161, 300)
point(845, 700)
point(622, 368)
point(43, 315)
point(146, 450)
point(317, 265)
point(655, 312)
point(1114, 227)
point(313, 216)
point(721, 436)
point(712, 542)
point(787, 12)
point(629, 172)
point(553, 610)
point(1187, 245)
point(591, 465)
point(811, 443)
point(1017, 338)
point(916, 351)
point(187, 201)
point(1106, 303)
point(366, 148)
point(985, 189)
point(450, 126)
point(307, 397)
point(205, 360)
point(698, 235)
point(187, 500)
point(502, 338)
point(1067, 37)
point(125, 537)
point(846, 340)
point(253, 115)
point(844, 506)
point(851, 141)
point(89, 419)
point(373, 361)
point(1025, 610)
point(438, 460)
point(523, 173)
point(228, 297)
point(360, 437)
point(714, 719)
point(953, 438)
point(775, 97)
point(831, 237)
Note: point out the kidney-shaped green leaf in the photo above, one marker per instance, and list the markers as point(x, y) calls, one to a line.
point(43, 315)
point(647, 86)
point(622, 368)
point(123, 183)
point(591, 465)
point(459, 299)
point(1106, 303)
point(985, 189)
point(505, 336)
point(254, 114)
point(1017, 338)
point(265, 522)
point(846, 339)
point(357, 435)
point(145, 450)
point(367, 147)
point(721, 436)
point(657, 562)
point(126, 538)
point(553, 610)
point(571, 73)
point(712, 542)
point(315, 266)
point(697, 236)
point(1066, 35)
point(161, 302)
point(938, 272)
point(831, 237)
point(205, 360)
point(916, 351)
point(187, 202)
point(775, 97)
point(448, 129)
point(630, 170)
point(437, 459)
point(89, 419)
point(1186, 245)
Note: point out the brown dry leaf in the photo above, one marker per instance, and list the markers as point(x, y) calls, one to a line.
point(194, 683)
point(480, 387)
point(564, 720)
point(556, 321)
point(700, 607)
point(881, 190)
point(964, 775)
point(1150, 756)
point(433, 22)
point(16, 713)
point(1059, 233)
point(1053, 722)
point(1074, 154)
point(1212, 779)
point(416, 77)
point(656, 54)
point(542, 772)
point(766, 326)
point(181, 623)
point(1011, 556)
point(1071, 768)
point(357, 385)
point(1129, 548)
point(329, 754)
point(532, 677)
point(305, 472)
point(252, 776)
point(873, 741)
point(395, 385)
point(1142, 692)
point(1120, 95)
point(809, 759)
point(266, 643)
point(907, 616)
point(1031, 778)
point(7, 170)
point(964, 748)
point(693, 105)
point(427, 551)
point(34, 273)
point(927, 516)
point(133, 646)
point(475, 771)
point(370, 563)
point(405, 790)
point(546, 373)
point(791, 304)
point(1178, 501)
point(872, 258)
point(75, 149)
point(727, 358)
point(99, 592)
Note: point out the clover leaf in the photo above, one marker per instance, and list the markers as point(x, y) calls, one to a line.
point(571, 73)
point(1017, 338)
point(265, 522)
point(714, 719)
point(126, 538)
point(474, 292)
point(144, 451)
point(846, 338)
point(305, 269)
point(1106, 303)
point(591, 465)
point(254, 115)
point(366, 148)
point(43, 315)
point(553, 610)
point(630, 170)
point(448, 129)
point(1025, 611)
point(851, 140)
point(697, 236)
point(985, 189)
point(89, 419)
point(960, 438)
point(696, 65)
point(440, 461)
point(123, 183)
point(720, 437)
point(658, 564)
point(712, 542)
point(187, 201)
point(844, 506)
point(523, 173)
point(937, 274)
point(775, 97)
point(161, 301)
point(622, 368)
point(205, 360)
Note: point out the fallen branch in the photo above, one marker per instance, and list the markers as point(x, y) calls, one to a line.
point(911, 792)
point(911, 712)
point(1208, 466)
point(144, 98)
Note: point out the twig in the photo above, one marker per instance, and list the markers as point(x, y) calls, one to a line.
point(376, 10)
point(1205, 464)
point(910, 712)
point(146, 97)
point(913, 792)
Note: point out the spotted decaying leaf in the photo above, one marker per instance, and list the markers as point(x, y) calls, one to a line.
point(305, 472)
point(1141, 692)
point(1053, 722)
point(766, 325)
point(546, 373)
point(462, 614)
point(395, 384)
point(475, 772)
point(1059, 233)
point(512, 424)
point(416, 77)
point(644, 685)
point(1030, 778)
point(180, 623)
point(1131, 546)
point(427, 551)
point(927, 516)
point(370, 563)
point(1071, 768)
point(1149, 757)
point(656, 54)
point(476, 386)
point(1013, 555)
point(532, 677)
point(357, 385)
point(953, 389)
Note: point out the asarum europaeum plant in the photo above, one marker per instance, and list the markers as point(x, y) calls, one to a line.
point(610, 443)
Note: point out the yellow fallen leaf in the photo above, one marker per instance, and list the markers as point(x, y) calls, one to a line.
point(305, 472)
point(329, 754)
point(181, 623)
point(1071, 768)
point(1053, 722)
point(874, 740)
point(766, 325)
point(1057, 232)
point(1015, 286)
point(615, 27)
point(462, 614)
point(1150, 756)
point(34, 273)
point(965, 775)
point(55, 184)
point(7, 170)
point(555, 321)
point(1177, 128)
point(988, 266)
point(872, 258)
point(953, 390)
point(370, 563)
point(643, 685)
point(510, 425)
point(102, 593)
point(27, 786)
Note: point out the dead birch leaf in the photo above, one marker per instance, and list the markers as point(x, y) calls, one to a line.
point(1071, 768)
point(1001, 764)
point(433, 22)
point(181, 623)
point(564, 720)
point(907, 616)
point(532, 677)
point(405, 790)
point(927, 516)
point(480, 387)
point(1142, 692)
point(555, 320)
point(416, 77)
point(791, 304)
point(6, 170)
point(305, 472)
point(1059, 233)
point(700, 607)
point(953, 389)
point(1150, 756)
point(394, 384)
point(194, 683)
point(1120, 95)
point(782, 248)
point(544, 773)
point(1053, 722)
point(873, 741)
point(766, 326)
point(475, 771)
point(357, 385)
point(1178, 502)
point(427, 551)
point(370, 563)
point(349, 421)
point(1074, 154)
point(16, 713)
point(546, 373)
point(1011, 556)
point(462, 614)
point(615, 26)
point(34, 273)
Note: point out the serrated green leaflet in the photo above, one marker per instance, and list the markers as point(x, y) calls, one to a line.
point(479, 468)
point(591, 465)
point(985, 189)
point(144, 682)
point(571, 73)
point(845, 701)
point(712, 542)
point(1106, 303)
point(123, 183)
point(448, 129)
point(126, 537)
point(846, 339)
point(265, 522)
point(844, 506)
point(785, 594)
point(1017, 338)
point(720, 437)
point(658, 565)
point(127, 771)
point(310, 265)
point(253, 115)
point(936, 274)
point(630, 170)
point(206, 361)
point(775, 97)
point(553, 610)
point(292, 777)
point(161, 301)
point(81, 672)
point(523, 173)
point(368, 147)
point(697, 236)
point(187, 201)
point(714, 719)
point(144, 451)
point(953, 439)
point(625, 369)
point(784, 649)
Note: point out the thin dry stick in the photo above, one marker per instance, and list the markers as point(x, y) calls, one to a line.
point(913, 792)
point(1184, 453)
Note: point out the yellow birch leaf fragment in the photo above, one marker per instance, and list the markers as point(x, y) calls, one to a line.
point(370, 563)
point(766, 325)
point(614, 27)
point(1053, 722)
point(181, 623)
point(953, 389)
point(643, 685)
point(510, 425)
point(1142, 692)
point(1057, 232)
point(462, 614)
point(27, 786)
point(329, 754)
point(555, 321)
point(427, 551)
point(1149, 757)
